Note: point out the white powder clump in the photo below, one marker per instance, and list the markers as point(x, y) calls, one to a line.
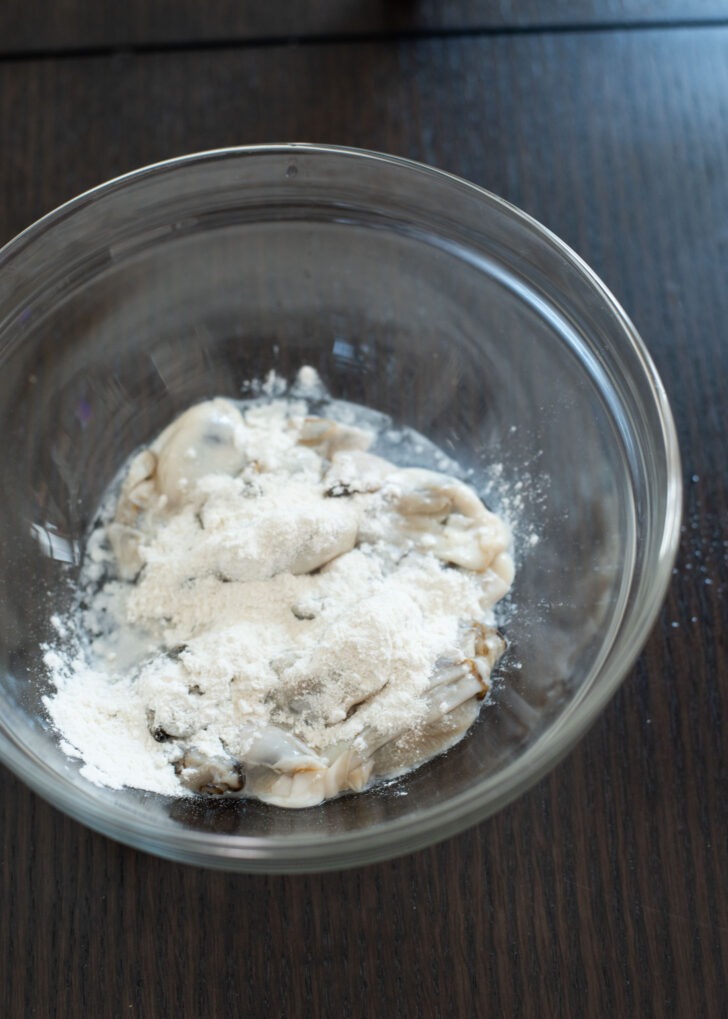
point(276, 611)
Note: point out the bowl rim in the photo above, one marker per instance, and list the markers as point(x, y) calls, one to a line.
point(392, 838)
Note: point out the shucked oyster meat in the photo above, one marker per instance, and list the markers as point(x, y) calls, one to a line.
point(276, 767)
point(271, 500)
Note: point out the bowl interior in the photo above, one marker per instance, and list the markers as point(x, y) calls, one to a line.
point(409, 292)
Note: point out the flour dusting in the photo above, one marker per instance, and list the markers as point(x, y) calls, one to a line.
point(279, 605)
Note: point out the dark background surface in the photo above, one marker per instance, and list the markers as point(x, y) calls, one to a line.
point(604, 890)
point(31, 26)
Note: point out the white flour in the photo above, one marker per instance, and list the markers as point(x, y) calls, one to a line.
point(270, 607)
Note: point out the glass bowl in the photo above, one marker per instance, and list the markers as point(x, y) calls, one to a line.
point(412, 292)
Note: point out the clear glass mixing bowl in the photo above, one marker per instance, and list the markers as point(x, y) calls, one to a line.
point(410, 291)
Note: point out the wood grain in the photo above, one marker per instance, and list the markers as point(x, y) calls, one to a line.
point(601, 892)
point(35, 26)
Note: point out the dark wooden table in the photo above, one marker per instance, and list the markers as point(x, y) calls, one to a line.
point(604, 890)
